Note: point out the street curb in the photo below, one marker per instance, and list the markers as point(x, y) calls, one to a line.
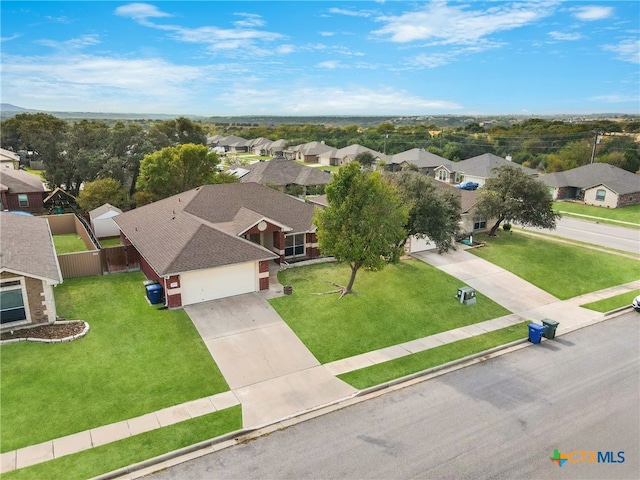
point(244, 435)
point(232, 436)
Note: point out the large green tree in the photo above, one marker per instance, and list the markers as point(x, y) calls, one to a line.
point(434, 213)
point(515, 196)
point(99, 192)
point(176, 169)
point(363, 224)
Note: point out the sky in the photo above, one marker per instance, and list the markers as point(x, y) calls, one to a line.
point(396, 58)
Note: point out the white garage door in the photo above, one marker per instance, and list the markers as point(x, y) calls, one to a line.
point(420, 244)
point(211, 284)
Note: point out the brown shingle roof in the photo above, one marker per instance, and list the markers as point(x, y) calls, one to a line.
point(285, 172)
point(26, 247)
point(197, 229)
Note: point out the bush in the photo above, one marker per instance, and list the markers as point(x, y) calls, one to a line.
point(506, 227)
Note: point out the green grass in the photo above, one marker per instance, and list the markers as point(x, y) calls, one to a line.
point(330, 168)
point(563, 270)
point(135, 359)
point(611, 303)
point(624, 214)
point(110, 242)
point(110, 457)
point(400, 303)
point(400, 367)
point(68, 243)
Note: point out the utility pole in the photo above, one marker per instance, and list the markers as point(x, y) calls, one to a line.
point(596, 141)
point(385, 143)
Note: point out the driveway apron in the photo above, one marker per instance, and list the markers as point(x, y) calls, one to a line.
point(265, 364)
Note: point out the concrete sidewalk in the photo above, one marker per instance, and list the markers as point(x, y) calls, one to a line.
point(274, 376)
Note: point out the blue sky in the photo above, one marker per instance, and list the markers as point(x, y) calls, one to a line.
point(322, 58)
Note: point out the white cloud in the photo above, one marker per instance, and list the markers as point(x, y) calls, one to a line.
point(250, 20)
point(12, 37)
point(565, 36)
point(615, 98)
point(627, 50)
point(351, 100)
point(330, 64)
point(459, 24)
point(433, 59)
point(140, 11)
point(73, 43)
point(108, 83)
point(351, 13)
point(327, 34)
point(592, 12)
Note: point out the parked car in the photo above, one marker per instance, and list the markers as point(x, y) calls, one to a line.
point(468, 185)
point(636, 303)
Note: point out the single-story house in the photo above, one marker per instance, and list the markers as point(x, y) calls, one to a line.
point(102, 222)
point(28, 271)
point(599, 184)
point(20, 190)
point(348, 154)
point(306, 152)
point(420, 159)
point(9, 159)
point(285, 174)
point(217, 241)
point(478, 169)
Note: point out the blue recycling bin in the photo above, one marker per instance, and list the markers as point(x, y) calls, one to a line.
point(535, 332)
point(154, 293)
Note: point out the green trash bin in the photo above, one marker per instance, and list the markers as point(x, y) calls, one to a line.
point(550, 327)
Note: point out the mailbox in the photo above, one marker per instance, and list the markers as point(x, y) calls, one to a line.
point(466, 295)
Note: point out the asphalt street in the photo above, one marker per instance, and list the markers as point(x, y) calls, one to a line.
point(606, 235)
point(500, 419)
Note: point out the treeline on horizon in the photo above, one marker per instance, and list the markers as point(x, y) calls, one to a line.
point(80, 151)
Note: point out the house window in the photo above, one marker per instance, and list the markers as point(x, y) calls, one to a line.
point(23, 200)
point(442, 175)
point(480, 224)
point(600, 194)
point(294, 245)
point(12, 302)
point(254, 237)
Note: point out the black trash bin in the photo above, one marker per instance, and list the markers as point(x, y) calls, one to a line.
point(550, 327)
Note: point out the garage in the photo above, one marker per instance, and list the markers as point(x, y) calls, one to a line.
point(213, 283)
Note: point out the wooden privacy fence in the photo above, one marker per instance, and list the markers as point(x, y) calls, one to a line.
point(123, 258)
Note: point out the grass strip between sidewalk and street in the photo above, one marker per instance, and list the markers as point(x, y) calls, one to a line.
point(416, 362)
point(593, 213)
point(112, 456)
point(611, 303)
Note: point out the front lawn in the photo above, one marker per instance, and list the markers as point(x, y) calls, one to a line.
point(417, 362)
point(135, 359)
point(625, 214)
point(400, 303)
point(68, 243)
point(563, 270)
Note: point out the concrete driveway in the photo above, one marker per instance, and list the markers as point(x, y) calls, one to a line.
point(271, 372)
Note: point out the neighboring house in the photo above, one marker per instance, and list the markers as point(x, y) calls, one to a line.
point(418, 158)
point(231, 143)
point(285, 174)
point(9, 159)
point(102, 222)
point(307, 152)
point(599, 184)
point(348, 154)
point(276, 149)
point(478, 169)
point(28, 271)
point(217, 241)
point(468, 224)
point(20, 190)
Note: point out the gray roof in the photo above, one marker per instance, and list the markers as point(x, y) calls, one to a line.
point(468, 198)
point(17, 181)
point(482, 166)
point(198, 229)
point(102, 209)
point(285, 172)
point(312, 148)
point(619, 180)
point(421, 159)
point(26, 247)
